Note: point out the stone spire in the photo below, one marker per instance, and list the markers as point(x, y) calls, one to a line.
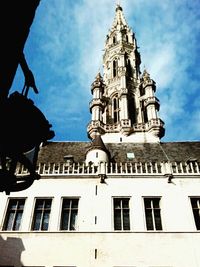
point(124, 107)
point(119, 20)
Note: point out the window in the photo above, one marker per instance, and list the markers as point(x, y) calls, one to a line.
point(121, 214)
point(115, 109)
point(196, 211)
point(14, 214)
point(114, 68)
point(41, 214)
point(152, 213)
point(69, 214)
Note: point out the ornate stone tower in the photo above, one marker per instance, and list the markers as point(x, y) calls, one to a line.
point(124, 107)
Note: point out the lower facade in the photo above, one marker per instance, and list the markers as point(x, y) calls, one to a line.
point(67, 249)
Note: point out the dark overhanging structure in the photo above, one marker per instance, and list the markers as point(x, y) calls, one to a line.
point(19, 117)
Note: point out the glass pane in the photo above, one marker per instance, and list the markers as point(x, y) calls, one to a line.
point(156, 203)
point(117, 220)
point(197, 218)
point(9, 221)
point(17, 221)
point(117, 202)
point(73, 220)
point(37, 219)
point(125, 203)
point(47, 203)
point(149, 219)
point(45, 222)
point(147, 203)
point(158, 223)
point(66, 203)
point(39, 204)
point(12, 204)
point(21, 204)
point(64, 221)
point(126, 220)
point(194, 202)
point(75, 204)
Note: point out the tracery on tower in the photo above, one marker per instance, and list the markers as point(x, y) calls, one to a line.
point(124, 107)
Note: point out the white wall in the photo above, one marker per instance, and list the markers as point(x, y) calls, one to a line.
point(176, 246)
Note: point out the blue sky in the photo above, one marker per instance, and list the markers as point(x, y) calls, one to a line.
point(65, 46)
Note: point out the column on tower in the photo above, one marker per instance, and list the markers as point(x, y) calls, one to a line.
point(151, 103)
point(97, 105)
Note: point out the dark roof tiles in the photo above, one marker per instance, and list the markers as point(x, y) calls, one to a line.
point(54, 152)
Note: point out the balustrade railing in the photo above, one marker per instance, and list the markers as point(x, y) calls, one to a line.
point(125, 168)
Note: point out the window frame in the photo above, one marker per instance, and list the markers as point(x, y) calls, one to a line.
point(33, 214)
point(6, 215)
point(192, 211)
point(121, 215)
point(69, 219)
point(153, 214)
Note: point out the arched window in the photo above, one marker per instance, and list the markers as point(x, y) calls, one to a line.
point(114, 39)
point(115, 106)
point(127, 38)
point(114, 68)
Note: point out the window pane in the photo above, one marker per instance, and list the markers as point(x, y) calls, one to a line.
point(117, 202)
point(197, 218)
point(75, 204)
point(45, 222)
point(66, 203)
point(147, 203)
point(10, 221)
point(156, 203)
point(125, 203)
point(73, 220)
point(47, 203)
point(158, 223)
point(126, 220)
point(64, 221)
point(196, 211)
point(149, 219)
point(17, 221)
point(13, 204)
point(36, 224)
point(117, 220)
point(39, 204)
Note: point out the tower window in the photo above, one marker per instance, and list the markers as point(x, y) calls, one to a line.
point(114, 39)
point(115, 109)
point(121, 214)
point(152, 213)
point(129, 68)
point(14, 214)
point(127, 38)
point(114, 68)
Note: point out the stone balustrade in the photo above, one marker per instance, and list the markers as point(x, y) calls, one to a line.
point(125, 168)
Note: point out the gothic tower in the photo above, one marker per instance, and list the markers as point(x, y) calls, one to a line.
point(124, 107)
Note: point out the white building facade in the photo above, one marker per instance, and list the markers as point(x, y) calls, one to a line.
point(125, 199)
